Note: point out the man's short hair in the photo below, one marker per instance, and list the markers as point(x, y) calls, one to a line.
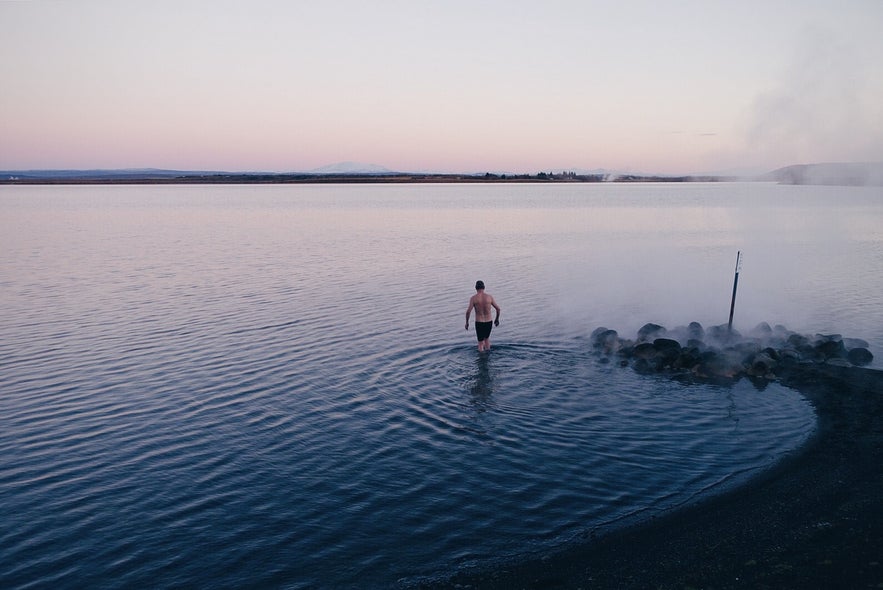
point(479, 284)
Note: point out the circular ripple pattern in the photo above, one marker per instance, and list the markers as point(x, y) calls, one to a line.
point(273, 466)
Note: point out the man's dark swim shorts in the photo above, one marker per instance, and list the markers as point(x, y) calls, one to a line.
point(483, 330)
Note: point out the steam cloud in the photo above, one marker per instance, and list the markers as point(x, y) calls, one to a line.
point(825, 107)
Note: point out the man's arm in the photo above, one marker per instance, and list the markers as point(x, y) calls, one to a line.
point(497, 310)
point(469, 311)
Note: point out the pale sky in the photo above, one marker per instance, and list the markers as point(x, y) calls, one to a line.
point(674, 87)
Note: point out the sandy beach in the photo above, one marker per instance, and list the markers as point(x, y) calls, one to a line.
point(814, 520)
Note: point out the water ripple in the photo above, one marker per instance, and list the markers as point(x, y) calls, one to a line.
point(297, 405)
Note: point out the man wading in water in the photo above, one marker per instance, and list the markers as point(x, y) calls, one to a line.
point(482, 303)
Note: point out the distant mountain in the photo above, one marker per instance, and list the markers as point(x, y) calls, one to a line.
point(351, 168)
point(838, 174)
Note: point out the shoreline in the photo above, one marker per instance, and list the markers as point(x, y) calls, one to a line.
point(404, 178)
point(813, 520)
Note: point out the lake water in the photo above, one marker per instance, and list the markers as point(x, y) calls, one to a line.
point(247, 386)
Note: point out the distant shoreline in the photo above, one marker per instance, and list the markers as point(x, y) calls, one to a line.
point(542, 178)
point(831, 174)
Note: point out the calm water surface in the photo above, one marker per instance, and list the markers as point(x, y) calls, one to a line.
point(235, 386)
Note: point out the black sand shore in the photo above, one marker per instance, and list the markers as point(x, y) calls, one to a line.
point(814, 520)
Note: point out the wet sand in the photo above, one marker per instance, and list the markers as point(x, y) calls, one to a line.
point(815, 520)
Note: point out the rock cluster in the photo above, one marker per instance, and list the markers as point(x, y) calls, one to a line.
point(720, 353)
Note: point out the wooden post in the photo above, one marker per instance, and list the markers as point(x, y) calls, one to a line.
point(735, 284)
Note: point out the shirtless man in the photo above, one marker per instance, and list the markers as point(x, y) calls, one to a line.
point(482, 303)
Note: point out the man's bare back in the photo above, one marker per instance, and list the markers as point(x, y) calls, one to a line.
point(482, 303)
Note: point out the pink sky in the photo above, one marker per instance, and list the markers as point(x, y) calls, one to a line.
point(453, 86)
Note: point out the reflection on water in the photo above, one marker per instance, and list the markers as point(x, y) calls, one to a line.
point(482, 382)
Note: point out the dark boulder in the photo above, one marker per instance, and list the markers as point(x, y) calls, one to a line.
point(667, 352)
point(694, 343)
point(762, 365)
point(644, 366)
point(644, 350)
point(796, 341)
point(687, 359)
point(809, 353)
point(860, 356)
point(723, 334)
point(720, 354)
point(772, 353)
point(838, 362)
point(598, 332)
point(666, 345)
point(780, 331)
point(650, 332)
point(761, 331)
point(745, 350)
point(851, 343)
point(788, 357)
point(606, 340)
point(831, 349)
point(684, 334)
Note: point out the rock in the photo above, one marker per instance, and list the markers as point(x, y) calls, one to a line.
point(772, 353)
point(597, 332)
point(859, 356)
point(779, 337)
point(851, 343)
point(808, 354)
point(666, 345)
point(762, 365)
point(684, 334)
point(694, 343)
point(828, 338)
point(644, 366)
point(781, 331)
point(746, 350)
point(687, 359)
point(606, 340)
point(667, 352)
point(831, 349)
point(795, 341)
point(723, 334)
point(762, 331)
point(719, 364)
point(723, 354)
point(838, 362)
point(644, 350)
point(788, 355)
point(649, 332)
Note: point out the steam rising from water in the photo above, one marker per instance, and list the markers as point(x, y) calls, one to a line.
point(820, 108)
